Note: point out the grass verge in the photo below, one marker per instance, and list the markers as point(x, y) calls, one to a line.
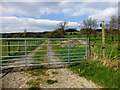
point(98, 73)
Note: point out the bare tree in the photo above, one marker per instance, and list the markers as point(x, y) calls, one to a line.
point(114, 22)
point(25, 32)
point(63, 25)
point(89, 25)
point(59, 32)
point(107, 26)
point(113, 25)
point(107, 30)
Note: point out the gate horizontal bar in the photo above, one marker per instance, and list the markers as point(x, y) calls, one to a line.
point(13, 52)
point(38, 51)
point(78, 59)
point(12, 56)
point(78, 53)
point(58, 54)
point(42, 38)
point(57, 50)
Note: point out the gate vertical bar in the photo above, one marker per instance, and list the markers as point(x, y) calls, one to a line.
point(25, 53)
point(8, 42)
point(48, 51)
point(68, 50)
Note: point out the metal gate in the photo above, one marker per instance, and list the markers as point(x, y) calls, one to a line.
point(18, 52)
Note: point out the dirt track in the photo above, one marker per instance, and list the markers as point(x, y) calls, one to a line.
point(66, 78)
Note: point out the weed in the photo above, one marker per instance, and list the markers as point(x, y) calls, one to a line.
point(49, 81)
point(54, 72)
point(34, 84)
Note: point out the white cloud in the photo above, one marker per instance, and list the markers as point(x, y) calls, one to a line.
point(29, 9)
point(14, 24)
point(18, 16)
point(38, 9)
point(60, 0)
point(104, 15)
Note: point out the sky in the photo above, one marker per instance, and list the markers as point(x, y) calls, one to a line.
point(45, 16)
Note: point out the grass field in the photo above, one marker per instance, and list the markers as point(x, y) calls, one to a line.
point(72, 34)
point(17, 49)
point(19, 46)
point(111, 49)
point(72, 53)
point(112, 52)
point(98, 73)
point(41, 55)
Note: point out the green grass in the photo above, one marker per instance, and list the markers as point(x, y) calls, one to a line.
point(49, 81)
point(17, 50)
point(72, 34)
point(40, 56)
point(34, 84)
point(54, 42)
point(12, 48)
point(111, 49)
point(74, 54)
point(98, 73)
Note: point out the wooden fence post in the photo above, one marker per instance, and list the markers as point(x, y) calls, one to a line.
point(88, 32)
point(118, 27)
point(103, 39)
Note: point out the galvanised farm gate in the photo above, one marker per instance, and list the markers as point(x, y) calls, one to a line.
point(18, 52)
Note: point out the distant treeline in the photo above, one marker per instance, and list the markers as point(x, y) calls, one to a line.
point(71, 30)
point(21, 35)
point(55, 34)
point(33, 34)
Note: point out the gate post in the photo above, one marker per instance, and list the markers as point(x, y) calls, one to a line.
point(48, 51)
point(25, 53)
point(86, 49)
point(68, 50)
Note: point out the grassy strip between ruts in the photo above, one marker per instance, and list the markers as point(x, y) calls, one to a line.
point(78, 53)
point(41, 55)
point(98, 73)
